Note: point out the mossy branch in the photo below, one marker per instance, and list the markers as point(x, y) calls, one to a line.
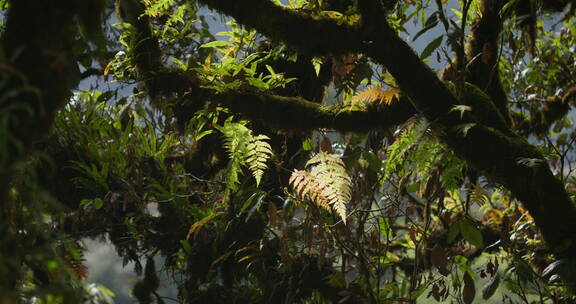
point(490, 150)
point(295, 113)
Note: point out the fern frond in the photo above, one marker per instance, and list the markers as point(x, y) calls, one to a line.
point(327, 184)
point(259, 151)
point(478, 194)
point(376, 93)
point(305, 184)
point(244, 150)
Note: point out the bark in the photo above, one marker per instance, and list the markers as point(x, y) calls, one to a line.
point(502, 155)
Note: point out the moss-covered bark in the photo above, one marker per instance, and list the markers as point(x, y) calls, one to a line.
point(483, 54)
point(499, 153)
point(298, 114)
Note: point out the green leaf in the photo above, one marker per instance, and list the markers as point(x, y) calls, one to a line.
point(507, 7)
point(490, 287)
point(457, 13)
point(98, 203)
point(453, 232)
point(307, 144)
point(106, 290)
point(431, 47)
point(4, 4)
point(216, 44)
point(186, 246)
point(430, 23)
point(471, 233)
point(374, 162)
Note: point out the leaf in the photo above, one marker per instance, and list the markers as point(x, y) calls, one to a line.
point(439, 259)
point(98, 203)
point(326, 145)
point(186, 246)
point(490, 287)
point(327, 183)
point(430, 23)
point(464, 128)
point(564, 269)
point(508, 7)
point(478, 194)
point(376, 93)
point(106, 290)
point(471, 233)
point(431, 47)
point(222, 258)
point(469, 290)
point(216, 44)
point(392, 257)
point(201, 223)
point(317, 64)
point(553, 268)
point(462, 109)
point(453, 232)
point(457, 13)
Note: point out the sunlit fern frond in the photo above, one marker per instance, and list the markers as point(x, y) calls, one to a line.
point(327, 183)
point(479, 194)
point(377, 94)
point(244, 150)
point(259, 151)
point(304, 183)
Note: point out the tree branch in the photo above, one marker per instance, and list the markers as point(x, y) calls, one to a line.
point(296, 113)
point(321, 35)
point(496, 151)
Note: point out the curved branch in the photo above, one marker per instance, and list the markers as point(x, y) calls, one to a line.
point(497, 152)
point(320, 35)
point(297, 113)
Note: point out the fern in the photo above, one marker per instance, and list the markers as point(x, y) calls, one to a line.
point(375, 93)
point(244, 150)
point(416, 151)
point(398, 151)
point(327, 184)
point(479, 194)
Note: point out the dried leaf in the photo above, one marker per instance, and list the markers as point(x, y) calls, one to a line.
point(326, 145)
point(377, 94)
point(201, 223)
point(469, 291)
point(439, 259)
